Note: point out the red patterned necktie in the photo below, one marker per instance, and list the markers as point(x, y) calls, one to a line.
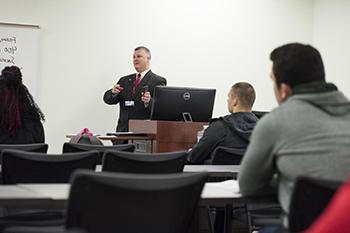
point(137, 81)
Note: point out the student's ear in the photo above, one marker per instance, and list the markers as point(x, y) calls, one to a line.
point(285, 91)
point(234, 101)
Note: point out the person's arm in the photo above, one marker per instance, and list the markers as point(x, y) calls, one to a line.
point(206, 145)
point(147, 97)
point(112, 96)
point(257, 166)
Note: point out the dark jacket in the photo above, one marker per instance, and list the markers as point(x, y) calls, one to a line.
point(32, 131)
point(138, 111)
point(230, 131)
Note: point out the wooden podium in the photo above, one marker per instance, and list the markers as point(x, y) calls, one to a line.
point(169, 135)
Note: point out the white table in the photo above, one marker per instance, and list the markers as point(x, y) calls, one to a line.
point(17, 196)
point(56, 195)
point(223, 171)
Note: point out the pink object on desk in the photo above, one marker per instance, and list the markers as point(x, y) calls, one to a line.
point(85, 131)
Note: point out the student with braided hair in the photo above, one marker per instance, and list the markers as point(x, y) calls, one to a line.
point(20, 117)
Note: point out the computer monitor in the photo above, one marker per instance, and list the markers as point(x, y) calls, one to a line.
point(182, 104)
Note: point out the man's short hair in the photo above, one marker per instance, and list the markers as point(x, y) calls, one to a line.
point(245, 93)
point(297, 63)
point(145, 49)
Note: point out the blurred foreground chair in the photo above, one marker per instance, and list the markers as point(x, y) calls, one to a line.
point(73, 147)
point(129, 203)
point(32, 167)
point(119, 161)
point(310, 197)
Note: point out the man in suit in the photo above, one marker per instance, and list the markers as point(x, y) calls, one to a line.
point(134, 92)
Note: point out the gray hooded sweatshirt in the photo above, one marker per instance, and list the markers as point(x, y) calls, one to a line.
point(309, 134)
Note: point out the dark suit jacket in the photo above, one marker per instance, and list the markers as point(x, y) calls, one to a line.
point(138, 111)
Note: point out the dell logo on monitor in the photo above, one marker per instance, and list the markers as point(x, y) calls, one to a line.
point(187, 96)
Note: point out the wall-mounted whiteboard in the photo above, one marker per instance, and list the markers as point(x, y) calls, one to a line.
point(19, 46)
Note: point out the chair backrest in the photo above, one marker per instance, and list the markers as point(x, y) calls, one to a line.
point(120, 161)
point(129, 203)
point(31, 167)
point(227, 156)
point(310, 197)
point(73, 147)
point(35, 147)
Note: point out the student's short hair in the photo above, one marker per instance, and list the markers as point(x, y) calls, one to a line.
point(245, 93)
point(297, 63)
point(145, 49)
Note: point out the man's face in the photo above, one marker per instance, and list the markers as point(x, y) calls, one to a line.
point(275, 87)
point(282, 92)
point(141, 60)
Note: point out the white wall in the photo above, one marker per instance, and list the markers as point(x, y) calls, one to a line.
point(332, 37)
point(87, 44)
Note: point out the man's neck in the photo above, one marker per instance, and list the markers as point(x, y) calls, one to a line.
point(242, 109)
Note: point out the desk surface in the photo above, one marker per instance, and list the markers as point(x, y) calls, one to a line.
point(17, 196)
point(215, 170)
point(39, 195)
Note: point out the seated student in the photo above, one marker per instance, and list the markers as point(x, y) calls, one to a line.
point(231, 130)
point(335, 218)
point(20, 116)
point(308, 134)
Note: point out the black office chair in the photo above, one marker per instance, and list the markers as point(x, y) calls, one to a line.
point(120, 161)
point(73, 147)
point(256, 216)
point(223, 156)
point(129, 203)
point(35, 147)
point(310, 197)
point(32, 167)
point(227, 156)
point(263, 211)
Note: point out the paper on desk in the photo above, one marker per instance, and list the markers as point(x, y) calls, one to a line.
point(231, 185)
point(225, 189)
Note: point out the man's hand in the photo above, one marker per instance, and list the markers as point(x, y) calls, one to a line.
point(117, 89)
point(146, 97)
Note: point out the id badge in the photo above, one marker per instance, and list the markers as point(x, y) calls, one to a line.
point(129, 104)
